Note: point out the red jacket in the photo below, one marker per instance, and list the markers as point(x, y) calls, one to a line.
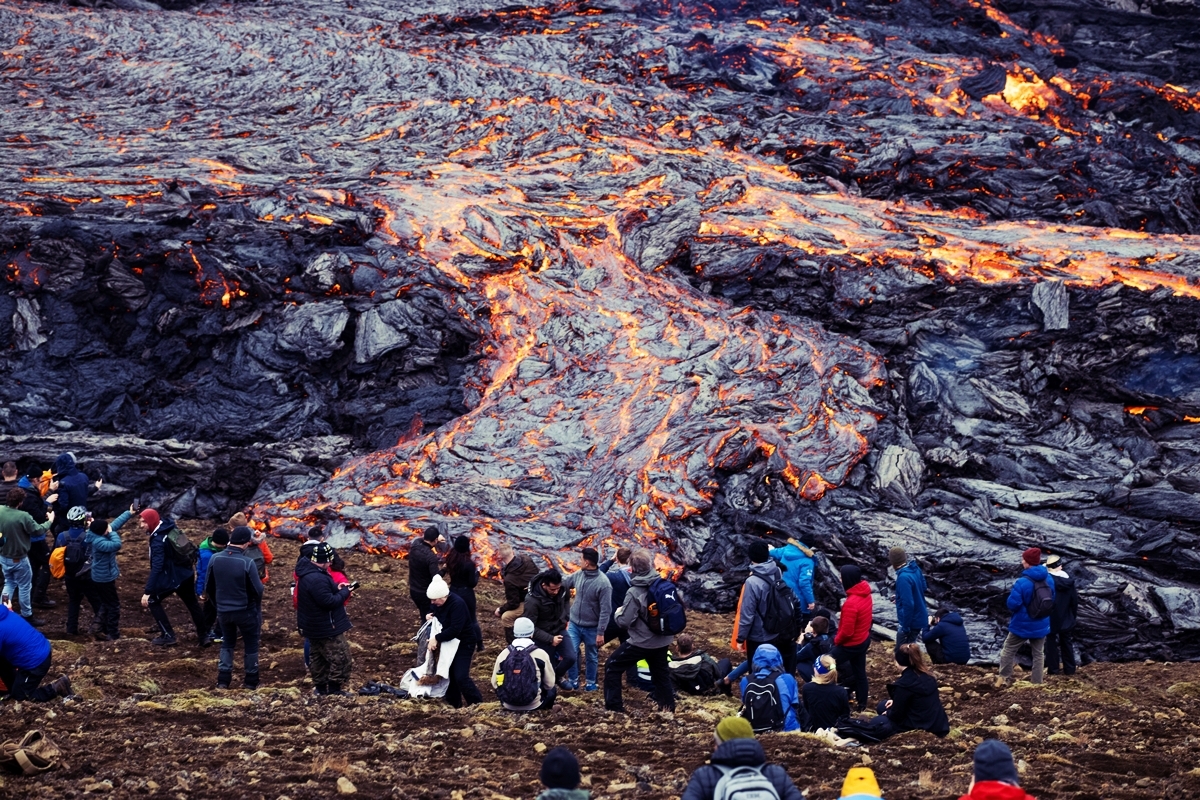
point(995, 790)
point(855, 625)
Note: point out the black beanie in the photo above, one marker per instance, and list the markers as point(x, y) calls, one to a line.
point(994, 762)
point(759, 552)
point(560, 769)
point(315, 532)
point(851, 575)
point(462, 544)
point(99, 526)
point(220, 537)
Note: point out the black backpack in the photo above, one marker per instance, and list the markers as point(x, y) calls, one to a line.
point(75, 556)
point(761, 704)
point(520, 679)
point(1041, 603)
point(700, 677)
point(782, 618)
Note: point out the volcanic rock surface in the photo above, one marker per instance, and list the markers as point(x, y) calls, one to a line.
point(628, 272)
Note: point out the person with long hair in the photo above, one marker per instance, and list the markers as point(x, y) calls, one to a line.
point(915, 704)
point(461, 573)
point(825, 701)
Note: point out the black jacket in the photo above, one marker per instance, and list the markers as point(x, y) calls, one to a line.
point(423, 564)
point(826, 703)
point(232, 582)
point(738, 753)
point(548, 614)
point(1066, 604)
point(517, 574)
point(956, 646)
point(916, 705)
point(620, 580)
point(320, 605)
point(456, 620)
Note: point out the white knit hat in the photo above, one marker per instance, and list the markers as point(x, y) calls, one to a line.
point(437, 588)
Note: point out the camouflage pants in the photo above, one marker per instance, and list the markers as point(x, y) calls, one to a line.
point(331, 661)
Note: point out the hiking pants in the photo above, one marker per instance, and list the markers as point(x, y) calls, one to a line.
point(246, 623)
point(587, 637)
point(1060, 652)
point(18, 579)
point(1008, 656)
point(330, 660)
point(424, 607)
point(212, 624)
point(79, 588)
point(628, 655)
point(462, 690)
point(23, 683)
point(110, 607)
point(852, 669)
point(187, 593)
point(39, 562)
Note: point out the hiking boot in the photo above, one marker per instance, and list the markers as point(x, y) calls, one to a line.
point(165, 641)
point(570, 686)
point(335, 690)
point(321, 689)
point(62, 686)
point(251, 681)
point(204, 641)
point(36, 622)
point(44, 602)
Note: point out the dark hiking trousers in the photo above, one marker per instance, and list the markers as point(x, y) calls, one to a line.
point(628, 655)
point(77, 590)
point(23, 683)
point(852, 669)
point(187, 593)
point(110, 607)
point(247, 624)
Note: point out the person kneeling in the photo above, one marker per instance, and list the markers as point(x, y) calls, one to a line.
point(739, 767)
point(523, 675)
point(25, 660)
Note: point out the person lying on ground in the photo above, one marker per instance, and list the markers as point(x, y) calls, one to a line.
point(825, 701)
point(995, 776)
point(739, 757)
point(560, 776)
point(947, 641)
point(695, 671)
point(770, 699)
point(517, 690)
point(25, 659)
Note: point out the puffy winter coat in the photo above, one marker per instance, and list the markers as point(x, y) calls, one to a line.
point(910, 598)
point(797, 573)
point(766, 660)
point(738, 753)
point(549, 613)
point(826, 703)
point(166, 574)
point(207, 551)
point(916, 705)
point(754, 602)
point(105, 549)
point(72, 484)
point(422, 566)
point(33, 504)
point(1066, 603)
point(953, 636)
point(995, 790)
point(20, 643)
point(320, 605)
point(854, 627)
point(1018, 603)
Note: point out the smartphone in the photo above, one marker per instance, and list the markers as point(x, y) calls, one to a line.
point(354, 586)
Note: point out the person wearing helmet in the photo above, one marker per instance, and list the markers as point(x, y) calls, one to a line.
point(77, 561)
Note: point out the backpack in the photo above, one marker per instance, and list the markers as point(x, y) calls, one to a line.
point(782, 617)
point(1041, 603)
point(744, 783)
point(520, 679)
point(180, 549)
point(57, 568)
point(664, 611)
point(75, 555)
point(761, 704)
point(701, 677)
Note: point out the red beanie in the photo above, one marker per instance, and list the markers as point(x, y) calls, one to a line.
point(1032, 556)
point(151, 518)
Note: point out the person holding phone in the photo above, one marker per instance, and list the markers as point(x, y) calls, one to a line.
point(322, 619)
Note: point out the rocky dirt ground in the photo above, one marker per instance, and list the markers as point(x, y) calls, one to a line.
point(148, 722)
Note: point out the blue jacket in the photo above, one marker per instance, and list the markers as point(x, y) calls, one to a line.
point(797, 572)
point(910, 598)
point(1018, 601)
point(166, 574)
point(20, 643)
point(953, 636)
point(72, 484)
point(766, 660)
point(207, 549)
point(104, 551)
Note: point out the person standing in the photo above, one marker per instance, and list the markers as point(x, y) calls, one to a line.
point(106, 543)
point(233, 584)
point(168, 576)
point(517, 571)
point(212, 545)
point(590, 611)
point(617, 572)
point(798, 565)
point(452, 613)
point(77, 567)
point(70, 486)
point(549, 608)
point(321, 618)
point(853, 637)
point(39, 550)
point(423, 566)
point(912, 615)
point(16, 528)
point(1025, 626)
point(643, 642)
point(756, 596)
point(461, 573)
point(24, 661)
point(1060, 645)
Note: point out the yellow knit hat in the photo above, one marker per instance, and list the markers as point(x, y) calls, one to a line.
point(860, 782)
point(734, 728)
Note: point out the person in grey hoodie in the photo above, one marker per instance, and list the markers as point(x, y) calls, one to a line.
point(589, 617)
point(643, 642)
point(764, 572)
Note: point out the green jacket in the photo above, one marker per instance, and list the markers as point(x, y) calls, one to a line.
point(16, 526)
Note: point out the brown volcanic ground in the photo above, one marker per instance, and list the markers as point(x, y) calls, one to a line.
point(149, 723)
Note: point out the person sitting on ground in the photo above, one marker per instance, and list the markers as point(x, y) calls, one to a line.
point(457, 623)
point(825, 701)
point(106, 543)
point(560, 776)
point(739, 757)
point(521, 693)
point(321, 618)
point(915, 704)
point(860, 784)
point(77, 566)
point(211, 545)
point(814, 643)
point(995, 776)
point(695, 671)
point(517, 571)
point(25, 659)
point(947, 642)
point(549, 607)
point(770, 698)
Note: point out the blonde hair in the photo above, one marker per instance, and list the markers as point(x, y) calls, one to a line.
point(829, 677)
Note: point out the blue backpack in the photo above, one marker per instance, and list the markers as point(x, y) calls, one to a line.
point(664, 611)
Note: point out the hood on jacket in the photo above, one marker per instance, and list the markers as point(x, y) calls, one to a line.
point(207, 544)
point(953, 618)
point(64, 465)
point(24, 482)
point(768, 571)
point(767, 659)
point(862, 589)
point(539, 582)
point(740, 752)
point(1062, 579)
point(306, 567)
point(643, 580)
point(1038, 573)
point(165, 524)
